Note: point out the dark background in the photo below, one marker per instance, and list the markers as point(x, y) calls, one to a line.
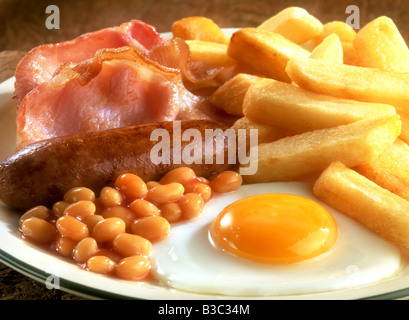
point(22, 26)
point(22, 23)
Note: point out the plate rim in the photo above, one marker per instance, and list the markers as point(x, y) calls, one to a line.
point(89, 292)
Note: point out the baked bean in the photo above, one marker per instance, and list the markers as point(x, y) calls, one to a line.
point(71, 227)
point(107, 229)
point(111, 254)
point(41, 212)
point(110, 197)
point(131, 244)
point(201, 189)
point(171, 211)
point(143, 208)
point(85, 249)
point(192, 205)
point(226, 181)
point(38, 230)
point(79, 193)
point(80, 209)
point(127, 215)
point(133, 268)
point(101, 264)
point(59, 207)
point(152, 228)
point(131, 185)
point(91, 221)
point(203, 180)
point(65, 246)
point(166, 193)
point(151, 184)
point(182, 175)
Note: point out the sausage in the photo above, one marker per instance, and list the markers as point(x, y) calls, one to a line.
point(40, 173)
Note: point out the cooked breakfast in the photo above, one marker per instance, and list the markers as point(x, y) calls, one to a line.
point(319, 107)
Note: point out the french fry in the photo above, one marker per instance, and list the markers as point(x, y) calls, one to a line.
point(391, 169)
point(374, 207)
point(380, 45)
point(266, 52)
point(230, 95)
point(295, 24)
point(340, 28)
point(355, 83)
point(330, 49)
point(311, 152)
point(287, 106)
point(346, 35)
point(351, 56)
point(265, 133)
point(211, 52)
point(199, 28)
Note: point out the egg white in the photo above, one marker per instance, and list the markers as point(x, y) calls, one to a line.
point(188, 261)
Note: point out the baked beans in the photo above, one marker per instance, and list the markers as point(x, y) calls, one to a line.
point(65, 246)
point(133, 268)
point(41, 212)
point(203, 180)
point(143, 208)
point(202, 189)
point(182, 175)
point(113, 234)
point(100, 264)
point(166, 192)
point(191, 205)
point(131, 244)
point(171, 211)
point(110, 253)
point(80, 209)
point(151, 184)
point(91, 221)
point(131, 185)
point(80, 193)
point(106, 230)
point(124, 213)
point(85, 249)
point(59, 207)
point(38, 230)
point(110, 197)
point(153, 228)
point(71, 227)
point(226, 181)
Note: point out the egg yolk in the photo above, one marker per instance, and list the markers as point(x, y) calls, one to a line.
point(274, 228)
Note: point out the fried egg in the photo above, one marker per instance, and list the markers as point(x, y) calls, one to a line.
point(271, 239)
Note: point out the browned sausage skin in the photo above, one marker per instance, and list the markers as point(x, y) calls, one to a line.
point(42, 172)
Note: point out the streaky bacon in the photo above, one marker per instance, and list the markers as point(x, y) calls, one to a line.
point(41, 63)
point(116, 88)
point(176, 54)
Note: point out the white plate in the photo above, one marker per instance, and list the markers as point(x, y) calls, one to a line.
point(58, 273)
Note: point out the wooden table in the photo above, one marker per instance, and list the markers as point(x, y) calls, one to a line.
point(22, 26)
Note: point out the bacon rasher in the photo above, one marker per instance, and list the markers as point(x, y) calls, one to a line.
point(142, 82)
point(41, 63)
point(117, 88)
